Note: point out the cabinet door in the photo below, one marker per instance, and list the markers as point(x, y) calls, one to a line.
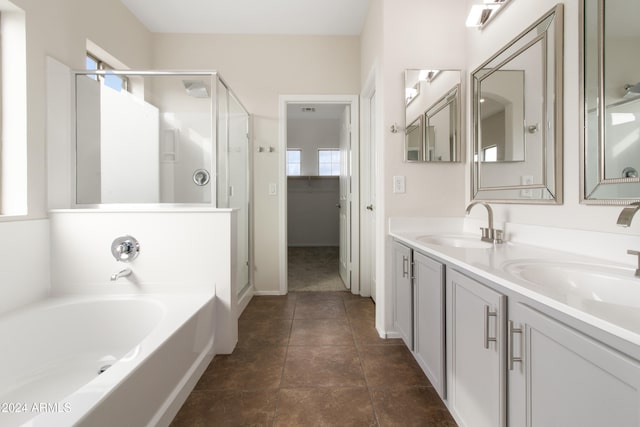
point(475, 342)
point(403, 293)
point(565, 378)
point(429, 319)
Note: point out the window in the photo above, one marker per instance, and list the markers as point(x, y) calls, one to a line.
point(490, 154)
point(294, 159)
point(329, 162)
point(113, 81)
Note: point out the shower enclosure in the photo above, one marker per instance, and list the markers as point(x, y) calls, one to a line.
point(163, 138)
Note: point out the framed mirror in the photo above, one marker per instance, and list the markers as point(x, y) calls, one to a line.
point(610, 93)
point(432, 99)
point(414, 141)
point(517, 117)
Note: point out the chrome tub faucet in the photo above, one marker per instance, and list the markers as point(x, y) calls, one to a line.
point(123, 273)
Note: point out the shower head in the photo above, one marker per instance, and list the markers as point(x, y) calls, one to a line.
point(632, 91)
point(196, 88)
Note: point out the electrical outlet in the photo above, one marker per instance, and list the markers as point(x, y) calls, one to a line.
point(399, 184)
point(526, 180)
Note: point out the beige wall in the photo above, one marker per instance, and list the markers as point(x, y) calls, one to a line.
point(60, 28)
point(483, 44)
point(57, 28)
point(400, 35)
point(259, 69)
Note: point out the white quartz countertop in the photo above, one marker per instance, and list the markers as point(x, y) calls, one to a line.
point(617, 315)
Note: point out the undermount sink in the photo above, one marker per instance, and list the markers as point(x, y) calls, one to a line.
point(455, 240)
point(611, 293)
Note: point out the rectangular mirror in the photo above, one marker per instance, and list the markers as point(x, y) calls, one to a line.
point(432, 99)
point(517, 117)
point(610, 139)
point(414, 141)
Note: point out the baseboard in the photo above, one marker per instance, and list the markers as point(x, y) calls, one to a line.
point(269, 293)
point(389, 335)
point(313, 245)
point(245, 298)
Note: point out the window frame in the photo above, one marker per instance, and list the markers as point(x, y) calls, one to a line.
point(298, 150)
point(332, 163)
point(104, 66)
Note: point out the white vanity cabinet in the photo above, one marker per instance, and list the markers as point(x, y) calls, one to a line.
point(429, 345)
point(476, 352)
point(561, 377)
point(403, 293)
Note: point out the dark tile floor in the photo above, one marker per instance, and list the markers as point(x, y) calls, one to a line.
point(313, 359)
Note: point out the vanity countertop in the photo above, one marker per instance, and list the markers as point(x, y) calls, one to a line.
point(600, 298)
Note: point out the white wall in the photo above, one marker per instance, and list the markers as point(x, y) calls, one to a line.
point(309, 135)
point(195, 252)
point(24, 263)
point(259, 69)
point(408, 34)
point(57, 28)
point(399, 35)
point(312, 216)
point(129, 155)
point(481, 44)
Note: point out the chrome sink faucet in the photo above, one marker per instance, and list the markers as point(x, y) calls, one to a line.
point(624, 220)
point(625, 217)
point(489, 234)
point(123, 273)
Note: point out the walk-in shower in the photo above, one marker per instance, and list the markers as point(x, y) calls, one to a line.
point(165, 138)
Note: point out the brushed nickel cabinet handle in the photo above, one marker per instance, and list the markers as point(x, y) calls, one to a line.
point(512, 358)
point(487, 315)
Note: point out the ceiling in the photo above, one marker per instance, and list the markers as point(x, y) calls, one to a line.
point(321, 111)
point(311, 17)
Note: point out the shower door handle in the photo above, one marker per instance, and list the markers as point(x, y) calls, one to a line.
point(201, 177)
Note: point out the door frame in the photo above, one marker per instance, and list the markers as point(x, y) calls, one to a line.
point(353, 101)
point(366, 177)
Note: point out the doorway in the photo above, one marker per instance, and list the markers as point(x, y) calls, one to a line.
point(318, 177)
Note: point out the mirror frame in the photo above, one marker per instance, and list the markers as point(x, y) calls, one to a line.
point(451, 99)
point(419, 124)
point(451, 96)
point(602, 180)
point(555, 105)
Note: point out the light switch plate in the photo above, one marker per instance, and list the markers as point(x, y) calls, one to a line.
point(399, 184)
point(273, 189)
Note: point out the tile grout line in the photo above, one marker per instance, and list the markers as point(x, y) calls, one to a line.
point(284, 364)
point(364, 373)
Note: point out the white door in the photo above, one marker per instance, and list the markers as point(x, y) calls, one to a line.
point(371, 206)
point(344, 204)
point(367, 211)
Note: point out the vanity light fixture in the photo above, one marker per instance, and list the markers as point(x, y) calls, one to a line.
point(481, 14)
point(428, 75)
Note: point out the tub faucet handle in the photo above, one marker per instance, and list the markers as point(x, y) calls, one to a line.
point(125, 248)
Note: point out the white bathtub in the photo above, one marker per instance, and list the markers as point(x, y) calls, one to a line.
point(51, 354)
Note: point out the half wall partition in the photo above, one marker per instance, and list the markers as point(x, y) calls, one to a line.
point(162, 138)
